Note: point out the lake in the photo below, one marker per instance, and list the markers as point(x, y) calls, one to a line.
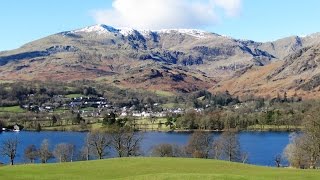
point(262, 147)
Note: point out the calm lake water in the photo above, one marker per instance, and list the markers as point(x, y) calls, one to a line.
point(262, 147)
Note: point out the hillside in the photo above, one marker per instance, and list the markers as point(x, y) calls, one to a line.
point(298, 73)
point(152, 168)
point(175, 60)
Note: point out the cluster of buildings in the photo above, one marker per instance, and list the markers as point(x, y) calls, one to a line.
point(94, 106)
point(96, 102)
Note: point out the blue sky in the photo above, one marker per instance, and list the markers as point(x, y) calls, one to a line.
point(259, 20)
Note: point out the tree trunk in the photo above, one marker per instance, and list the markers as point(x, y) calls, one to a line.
point(87, 155)
point(312, 163)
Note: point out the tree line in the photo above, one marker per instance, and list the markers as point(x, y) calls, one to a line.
point(125, 142)
point(98, 144)
point(203, 145)
point(258, 114)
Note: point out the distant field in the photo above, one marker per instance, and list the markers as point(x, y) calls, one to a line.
point(96, 126)
point(12, 109)
point(60, 110)
point(273, 128)
point(70, 127)
point(74, 95)
point(172, 105)
point(5, 81)
point(141, 124)
point(152, 168)
point(88, 109)
point(164, 93)
point(146, 124)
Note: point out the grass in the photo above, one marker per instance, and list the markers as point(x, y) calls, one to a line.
point(96, 126)
point(74, 95)
point(169, 105)
point(62, 128)
point(258, 127)
point(145, 124)
point(142, 124)
point(69, 88)
point(5, 81)
point(75, 127)
point(12, 109)
point(172, 105)
point(164, 93)
point(152, 168)
point(61, 110)
point(88, 109)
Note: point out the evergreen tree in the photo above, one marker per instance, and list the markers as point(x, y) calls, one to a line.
point(110, 119)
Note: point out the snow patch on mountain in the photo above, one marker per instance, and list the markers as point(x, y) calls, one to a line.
point(311, 36)
point(191, 32)
point(104, 29)
point(100, 29)
point(126, 31)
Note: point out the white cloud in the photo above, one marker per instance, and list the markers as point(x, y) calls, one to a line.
point(160, 14)
point(231, 7)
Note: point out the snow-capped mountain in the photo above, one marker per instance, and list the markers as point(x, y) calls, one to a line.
point(105, 29)
point(181, 60)
point(100, 29)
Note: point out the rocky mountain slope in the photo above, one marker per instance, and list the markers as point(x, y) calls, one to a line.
point(181, 60)
point(298, 73)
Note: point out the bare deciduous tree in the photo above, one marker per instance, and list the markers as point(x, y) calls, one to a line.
point(199, 145)
point(125, 141)
point(31, 153)
point(167, 150)
point(99, 142)
point(244, 157)
point(229, 146)
point(9, 148)
point(304, 150)
point(64, 152)
point(72, 149)
point(312, 136)
point(295, 152)
point(85, 150)
point(44, 152)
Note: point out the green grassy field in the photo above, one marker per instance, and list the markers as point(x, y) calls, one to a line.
point(172, 105)
point(273, 128)
point(146, 124)
point(5, 81)
point(152, 168)
point(74, 95)
point(88, 109)
point(164, 93)
point(12, 109)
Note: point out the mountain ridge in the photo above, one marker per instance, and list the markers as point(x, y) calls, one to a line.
point(102, 28)
point(181, 60)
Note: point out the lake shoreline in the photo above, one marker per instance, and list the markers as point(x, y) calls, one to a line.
point(262, 147)
point(176, 130)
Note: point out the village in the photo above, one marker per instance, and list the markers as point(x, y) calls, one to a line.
point(95, 106)
point(91, 111)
